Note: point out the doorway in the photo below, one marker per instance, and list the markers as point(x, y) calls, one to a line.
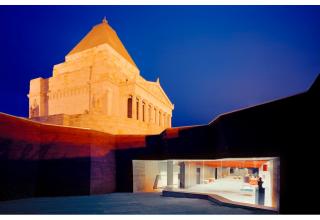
point(198, 175)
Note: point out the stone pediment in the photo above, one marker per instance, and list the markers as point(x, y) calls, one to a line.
point(156, 89)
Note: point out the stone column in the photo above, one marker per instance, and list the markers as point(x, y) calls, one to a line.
point(149, 113)
point(170, 118)
point(153, 113)
point(134, 107)
point(155, 110)
point(140, 109)
point(160, 118)
point(164, 120)
point(146, 111)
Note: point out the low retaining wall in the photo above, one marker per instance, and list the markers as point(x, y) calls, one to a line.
point(217, 200)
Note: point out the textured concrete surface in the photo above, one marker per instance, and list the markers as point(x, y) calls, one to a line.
point(117, 203)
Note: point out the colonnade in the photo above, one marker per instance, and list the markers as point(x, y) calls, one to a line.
point(142, 110)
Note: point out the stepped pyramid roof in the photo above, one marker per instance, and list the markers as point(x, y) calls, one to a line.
point(102, 34)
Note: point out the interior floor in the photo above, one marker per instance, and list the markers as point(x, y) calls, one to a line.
point(229, 187)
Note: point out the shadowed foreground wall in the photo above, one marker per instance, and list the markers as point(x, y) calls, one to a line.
point(44, 160)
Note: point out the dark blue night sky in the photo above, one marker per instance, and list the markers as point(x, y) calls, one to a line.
point(210, 59)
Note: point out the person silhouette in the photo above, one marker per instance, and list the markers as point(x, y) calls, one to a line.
point(260, 192)
point(260, 182)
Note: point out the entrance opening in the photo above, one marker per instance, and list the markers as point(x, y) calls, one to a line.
point(198, 175)
point(246, 180)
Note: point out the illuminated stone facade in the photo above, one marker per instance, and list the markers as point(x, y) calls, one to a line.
point(99, 87)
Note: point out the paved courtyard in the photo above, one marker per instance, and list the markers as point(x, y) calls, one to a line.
point(117, 203)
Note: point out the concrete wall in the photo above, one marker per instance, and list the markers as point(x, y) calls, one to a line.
point(145, 173)
point(208, 172)
point(275, 182)
point(191, 174)
point(139, 174)
point(102, 174)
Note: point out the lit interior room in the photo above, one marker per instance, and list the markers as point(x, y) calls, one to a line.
point(246, 180)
